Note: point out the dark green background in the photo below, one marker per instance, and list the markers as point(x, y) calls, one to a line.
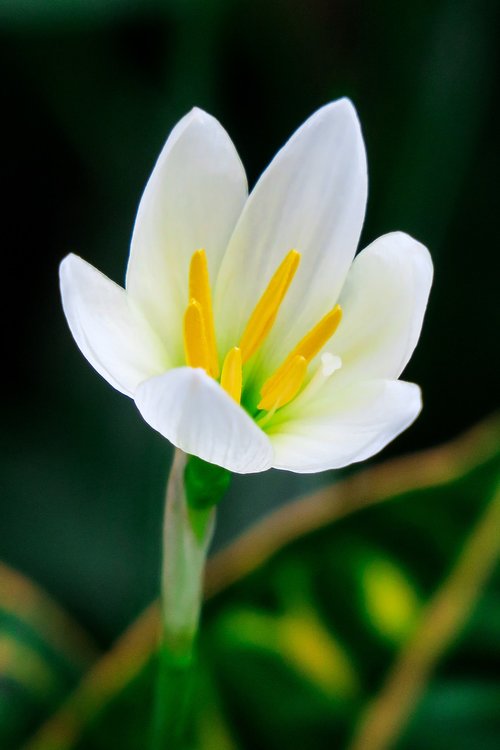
point(90, 92)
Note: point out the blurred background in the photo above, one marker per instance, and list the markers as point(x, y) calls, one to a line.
point(91, 89)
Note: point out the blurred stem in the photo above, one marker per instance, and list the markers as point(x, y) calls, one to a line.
point(386, 716)
point(187, 532)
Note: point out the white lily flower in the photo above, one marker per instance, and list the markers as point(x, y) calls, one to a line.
point(246, 334)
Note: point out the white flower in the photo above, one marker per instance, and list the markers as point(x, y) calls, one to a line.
point(217, 278)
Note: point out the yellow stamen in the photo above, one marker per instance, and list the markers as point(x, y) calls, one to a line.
point(232, 374)
point(286, 386)
point(195, 337)
point(199, 290)
point(266, 310)
point(308, 347)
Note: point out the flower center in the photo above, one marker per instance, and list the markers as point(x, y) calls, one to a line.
point(200, 346)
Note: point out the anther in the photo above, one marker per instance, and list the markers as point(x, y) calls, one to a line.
point(266, 310)
point(195, 339)
point(308, 347)
point(286, 386)
point(199, 290)
point(232, 374)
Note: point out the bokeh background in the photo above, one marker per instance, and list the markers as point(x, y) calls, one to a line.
point(91, 89)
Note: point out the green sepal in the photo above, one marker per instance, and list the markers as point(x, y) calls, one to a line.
point(205, 483)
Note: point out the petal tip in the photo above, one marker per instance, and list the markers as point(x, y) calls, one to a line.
point(198, 113)
point(69, 258)
point(347, 104)
point(415, 247)
point(68, 265)
point(200, 117)
point(342, 107)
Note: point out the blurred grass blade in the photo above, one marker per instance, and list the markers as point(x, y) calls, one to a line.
point(386, 716)
point(43, 653)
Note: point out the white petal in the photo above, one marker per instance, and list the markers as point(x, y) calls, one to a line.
point(192, 411)
point(384, 301)
point(311, 198)
point(192, 200)
point(353, 426)
point(109, 331)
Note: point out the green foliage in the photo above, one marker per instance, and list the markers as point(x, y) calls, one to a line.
point(43, 654)
point(294, 651)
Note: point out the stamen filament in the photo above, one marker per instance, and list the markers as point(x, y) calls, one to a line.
point(195, 338)
point(266, 310)
point(232, 374)
point(286, 386)
point(308, 347)
point(200, 345)
point(199, 290)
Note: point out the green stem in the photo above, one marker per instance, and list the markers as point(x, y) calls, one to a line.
point(187, 532)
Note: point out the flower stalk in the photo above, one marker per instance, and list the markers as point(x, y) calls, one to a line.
point(187, 532)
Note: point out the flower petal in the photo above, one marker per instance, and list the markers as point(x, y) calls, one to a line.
point(383, 300)
point(110, 332)
point(356, 424)
point(192, 200)
point(192, 411)
point(311, 198)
